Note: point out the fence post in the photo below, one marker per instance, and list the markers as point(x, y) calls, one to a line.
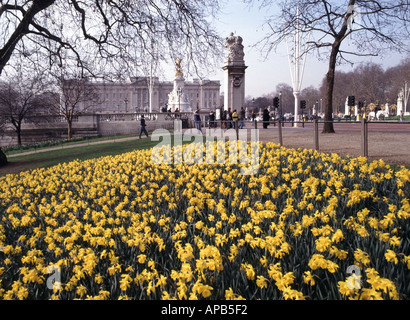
point(280, 133)
point(365, 145)
point(255, 123)
point(316, 129)
point(237, 129)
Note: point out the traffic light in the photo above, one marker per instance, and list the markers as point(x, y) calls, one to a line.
point(350, 101)
point(303, 104)
point(276, 102)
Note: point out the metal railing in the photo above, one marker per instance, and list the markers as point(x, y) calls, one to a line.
point(228, 124)
point(364, 129)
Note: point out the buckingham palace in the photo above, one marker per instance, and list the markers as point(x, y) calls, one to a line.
point(134, 95)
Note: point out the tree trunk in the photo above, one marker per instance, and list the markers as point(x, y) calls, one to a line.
point(69, 131)
point(330, 77)
point(330, 81)
point(18, 131)
point(3, 158)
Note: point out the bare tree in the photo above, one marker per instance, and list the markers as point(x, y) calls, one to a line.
point(368, 26)
point(19, 98)
point(114, 35)
point(285, 92)
point(310, 95)
point(397, 77)
point(260, 102)
point(346, 84)
point(370, 82)
point(77, 96)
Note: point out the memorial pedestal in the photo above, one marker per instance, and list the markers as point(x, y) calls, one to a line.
point(234, 83)
point(178, 99)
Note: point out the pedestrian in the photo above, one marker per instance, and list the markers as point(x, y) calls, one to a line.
point(235, 118)
point(197, 120)
point(223, 118)
point(143, 127)
point(265, 118)
point(242, 118)
point(212, 119)
point(253, 117)
point(229, 119)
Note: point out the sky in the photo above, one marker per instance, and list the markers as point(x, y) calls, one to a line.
point(262, 76)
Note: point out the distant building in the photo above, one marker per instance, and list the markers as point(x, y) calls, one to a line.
point(134, 96)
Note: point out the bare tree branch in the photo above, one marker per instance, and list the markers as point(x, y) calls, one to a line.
point(20, 98)
point(371, 26)
point(21, 29)
point(111, 33)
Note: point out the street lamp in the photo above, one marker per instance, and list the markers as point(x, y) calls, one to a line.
point(179, 91)
point(321, 105)
point(280, 104)
point(126, 105)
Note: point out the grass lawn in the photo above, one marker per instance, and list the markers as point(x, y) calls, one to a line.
point(64, 143)
point(51, 158)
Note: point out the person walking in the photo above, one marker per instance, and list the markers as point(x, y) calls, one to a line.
point(253, 117)
point(143, 127)
point(242, 118)
point(223, 118)
point(197, 120)
point(265, 118)
point(235, 118)
point(212, 119)
point(229, 119)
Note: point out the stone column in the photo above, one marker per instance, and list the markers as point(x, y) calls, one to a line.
point(234, 82)
point(347, 107)
point(400, 104)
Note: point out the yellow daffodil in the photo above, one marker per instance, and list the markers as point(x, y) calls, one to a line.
point(250, 272)
point(390, 256)
point(261, 282)
point(127, 227)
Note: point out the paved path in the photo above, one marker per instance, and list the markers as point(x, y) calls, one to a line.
point(65, 146)
point(386, 141)
point(390, 142)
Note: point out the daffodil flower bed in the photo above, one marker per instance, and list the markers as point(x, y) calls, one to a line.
point(125, 228)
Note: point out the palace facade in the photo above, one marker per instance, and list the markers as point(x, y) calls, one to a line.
point(134, 95)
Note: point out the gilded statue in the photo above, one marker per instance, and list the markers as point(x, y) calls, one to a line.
point(179, 69)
